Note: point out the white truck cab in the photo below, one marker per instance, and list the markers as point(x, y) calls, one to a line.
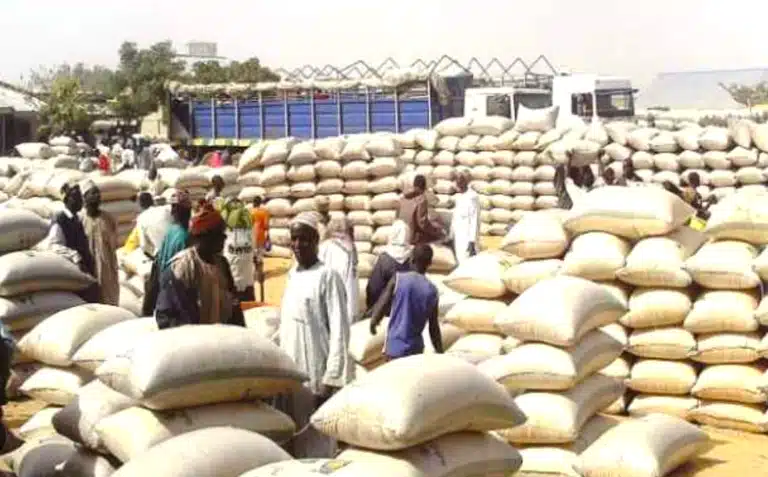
point(580, 95)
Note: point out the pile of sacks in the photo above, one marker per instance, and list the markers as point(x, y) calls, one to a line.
point(33, 284)
point(121, 393)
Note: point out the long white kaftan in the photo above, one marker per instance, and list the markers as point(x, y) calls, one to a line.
point(465, 224)
point(344, 261)
point(314, 331)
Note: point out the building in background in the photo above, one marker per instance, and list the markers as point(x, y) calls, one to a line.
point(698, 90)
point(19, 116)
point(203, 51)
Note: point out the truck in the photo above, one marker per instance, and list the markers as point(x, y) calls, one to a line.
point(396, 100)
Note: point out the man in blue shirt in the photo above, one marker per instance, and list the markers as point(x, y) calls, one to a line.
point(411, 301)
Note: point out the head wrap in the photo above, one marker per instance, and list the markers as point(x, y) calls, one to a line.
point(310, 219)
point(398, 247)
point(87, 185)
point(181, 197)
point(339, 229)
point(206, 220)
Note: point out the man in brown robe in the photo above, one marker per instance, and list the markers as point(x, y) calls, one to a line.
point(101, 231)
point(414, 211)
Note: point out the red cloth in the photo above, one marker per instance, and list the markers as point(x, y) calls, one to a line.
point(103, 163)
point(205, 220)
point(216, 160)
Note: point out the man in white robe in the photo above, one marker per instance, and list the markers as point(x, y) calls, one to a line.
point(314, 332)
point(338, 252)
point(465, 225)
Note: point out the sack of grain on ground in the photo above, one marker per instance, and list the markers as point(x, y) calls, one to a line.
point(29, 272)
point(163, 372)
point(719, 311)
point(742, 383)
point(647, 404)
point(560, 311)
point(481, 276)
point(112, 341)
point(27, 311)
point(55, 386)
point(403, 382)
point(727, 348)
point(538, 366)
point(557, 418)
point(653, 376)
point(650, 446)
point(521, 277)
point(725, 265)
point(57, 339)
point(671, 343)
point(657, 307)
point(93, 402)
point(660, 261)
point(741, 216)
point(477, 348)
point(595, 256)
point(731, 415)
point(630, 212)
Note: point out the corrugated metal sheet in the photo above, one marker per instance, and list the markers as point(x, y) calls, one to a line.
point(11, 97)
point(698, 89)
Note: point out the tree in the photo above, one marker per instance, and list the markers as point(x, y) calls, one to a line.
point(141, 77)
point(97, 79)
point(65, 110)
point(748, 96)
point(251, 71)
point(207, 72)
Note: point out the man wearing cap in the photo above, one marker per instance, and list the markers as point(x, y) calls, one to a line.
point(101, 231)
point(176, 239)
point(314, 332)
point(197, 286)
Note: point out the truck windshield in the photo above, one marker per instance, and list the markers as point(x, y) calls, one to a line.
point(614, 103)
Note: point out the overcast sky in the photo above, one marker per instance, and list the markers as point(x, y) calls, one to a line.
point(637, 39)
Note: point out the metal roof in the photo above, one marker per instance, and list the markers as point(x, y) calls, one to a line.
point(698, 89)
point(16, 98)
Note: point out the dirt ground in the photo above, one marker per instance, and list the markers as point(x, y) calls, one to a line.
point(731, 454)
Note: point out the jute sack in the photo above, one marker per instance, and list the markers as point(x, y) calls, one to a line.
point(228, 452)
point(727, 348)
point(742, 383)
point(112, 341)
point(41, 458)
point(557, 418)
point(133, 431)
point(523, 276)
point(651, 376)
point(85, 463)
point(742, 216)
point(58, 338)
point(481, 276)
point(535, 236)
point(93, 402)
point(630, 212)
point(27, 272)
point(559, 461)
point(56, 386)
point(463, 454)
point(164, 371)
point(449, 334)
point(560, 311)
point(660, 261)
point(724, 265)
point(619, 290)
point(657, 307)
point(114, 189)
point(660, 445)
point(537, 366)
point(731, 415)
point(400, 404)
point(718, 311)
point(662, 343)
point(25, 312)
point(20, 229)
point(477, 347)
point(647, 404)
point(595, 256)
point(39, 425)
point(265, 320)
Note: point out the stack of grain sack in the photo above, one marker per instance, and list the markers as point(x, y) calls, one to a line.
point(33, 284)
point(123, 392)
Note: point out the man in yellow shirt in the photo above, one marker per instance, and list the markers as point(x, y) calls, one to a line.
point(260, 220)
point(133, 241)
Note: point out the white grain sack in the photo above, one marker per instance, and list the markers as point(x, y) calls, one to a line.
point(475, 315)
point(660, 261)
point(652, 376)
point(162, 373)
point(742, 383)
point(523, 276)
point(560, 311)
point(647, 404)
point(724, 265)
point(56, 386)
point(660, 444)
point(657, 307)
point(537, 236)
point(662, 343)
point(717, 311)
point(403, 382)
point(596, 256)
point(731, 415)
point(30, 272)
point(481, 276)
point(727, 348)
point(740, 217)
point(557, 418)
point(537, 366)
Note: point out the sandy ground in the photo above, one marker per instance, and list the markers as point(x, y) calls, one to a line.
point(731, 454)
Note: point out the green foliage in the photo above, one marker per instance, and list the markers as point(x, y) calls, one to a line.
point(748, 96)
point(137, 86)
point(65, 110)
